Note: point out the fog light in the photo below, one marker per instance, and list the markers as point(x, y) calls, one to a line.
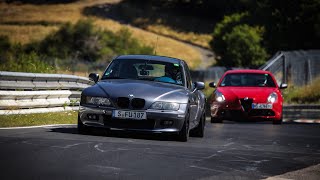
point(93, 117)
point(167, 123)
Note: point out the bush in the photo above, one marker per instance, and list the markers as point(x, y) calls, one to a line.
point(243, 47)
point(71, 45)
point(83, 42)
point(238, 44)
point(303, 95)
point(78, 41)
point(13, 57)
point(25, 62)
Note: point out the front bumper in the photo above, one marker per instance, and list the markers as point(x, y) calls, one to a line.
point(236, 112)
point(154, 122)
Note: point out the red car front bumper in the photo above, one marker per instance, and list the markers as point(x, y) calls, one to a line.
point(238, 111)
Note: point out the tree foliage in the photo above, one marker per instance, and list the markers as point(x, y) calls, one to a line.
point(238, 44)
point(70, 45)
point(287, 24)
point(84, 42)
point(244, 47)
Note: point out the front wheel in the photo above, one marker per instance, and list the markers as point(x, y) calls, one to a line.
point(82, 129)
point(199, 130)
point(216, 120)
point(277, 121)
point(183, 135)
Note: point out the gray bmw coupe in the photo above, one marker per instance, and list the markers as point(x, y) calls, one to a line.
point(144, 93)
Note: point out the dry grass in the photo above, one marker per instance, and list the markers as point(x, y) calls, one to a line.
point(61, 13)
point(26, 33)
point(308, 94)
point(164, 46)
point(198, 39)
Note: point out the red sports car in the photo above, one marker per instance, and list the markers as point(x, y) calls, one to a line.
point(247, 94)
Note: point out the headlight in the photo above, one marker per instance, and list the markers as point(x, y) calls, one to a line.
point(165, 106)
point(219, 96)
point(272, 98)
point(98, 101)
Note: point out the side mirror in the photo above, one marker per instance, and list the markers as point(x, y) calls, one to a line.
point(283, 86)
point(94, 77)
point(199, 85)
point(212, 84)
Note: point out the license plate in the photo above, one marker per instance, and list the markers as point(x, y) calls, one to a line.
point(139, 115)
point(261, 106)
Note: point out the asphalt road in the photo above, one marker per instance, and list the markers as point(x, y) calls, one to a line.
point(228, 151)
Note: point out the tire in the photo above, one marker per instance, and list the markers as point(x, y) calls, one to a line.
point(199, 130)
point(277, 121)
point(82, 129)
point(216, 120)
point(183, 135)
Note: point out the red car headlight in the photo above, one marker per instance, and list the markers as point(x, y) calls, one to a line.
point(272, 98)
point(219, 97)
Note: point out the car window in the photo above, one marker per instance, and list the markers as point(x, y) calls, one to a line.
point(188, 77)
point(248, 79)
point(145, 70)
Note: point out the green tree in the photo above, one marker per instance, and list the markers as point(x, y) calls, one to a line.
point(238, 44)
point(79, 41)
point(289, 24)
point(218, 43)
point(244, 47)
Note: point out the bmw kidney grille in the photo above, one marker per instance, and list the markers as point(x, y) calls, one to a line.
point(136, 103)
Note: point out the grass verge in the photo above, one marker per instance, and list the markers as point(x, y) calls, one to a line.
point(68, 117)
point(308, 94)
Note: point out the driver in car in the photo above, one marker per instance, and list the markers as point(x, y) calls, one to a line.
point(171, 74)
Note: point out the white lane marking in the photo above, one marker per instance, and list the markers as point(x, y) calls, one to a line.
point(41, 126)
point(247, 146)
point(204, 168)
point(70, 145)
point(97, 147)
point(205, 158)
point(106, 167)
point(229, 144)
point(249, 168)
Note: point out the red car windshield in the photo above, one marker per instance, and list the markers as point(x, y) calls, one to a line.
point(248, 80)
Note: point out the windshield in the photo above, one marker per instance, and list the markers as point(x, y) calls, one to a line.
point(145, 70)
point(248, 79)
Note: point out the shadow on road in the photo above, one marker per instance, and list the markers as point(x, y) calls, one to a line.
point(116, 134)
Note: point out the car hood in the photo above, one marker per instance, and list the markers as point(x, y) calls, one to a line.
point(149, 90)
point(258, 94)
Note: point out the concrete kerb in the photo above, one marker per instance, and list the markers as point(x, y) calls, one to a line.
point(310, 173)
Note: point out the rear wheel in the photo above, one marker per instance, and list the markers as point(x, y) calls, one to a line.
point(216, 120)
point(183, 135)
point(199, 130)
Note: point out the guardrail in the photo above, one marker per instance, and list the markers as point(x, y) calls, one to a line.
point(299, 111)
point(24, 93)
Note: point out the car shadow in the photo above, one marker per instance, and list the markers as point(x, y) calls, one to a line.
point(116, 133)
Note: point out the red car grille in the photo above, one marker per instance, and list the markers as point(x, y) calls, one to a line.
point(246, 104)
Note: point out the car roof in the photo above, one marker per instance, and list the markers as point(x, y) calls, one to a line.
point(247, 71)
point(151, 58)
